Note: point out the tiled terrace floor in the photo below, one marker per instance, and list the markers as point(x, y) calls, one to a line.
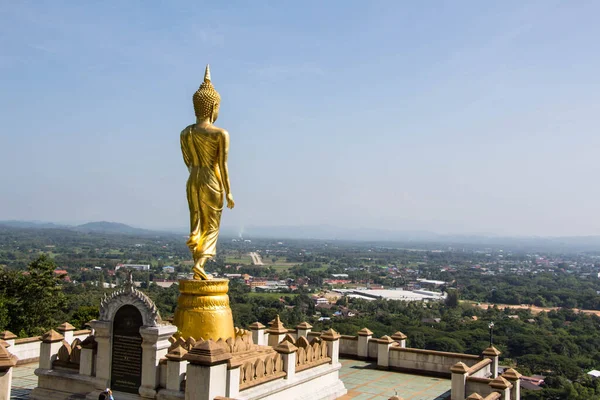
point(364, 381)
point(361, 378)
point(23, 381)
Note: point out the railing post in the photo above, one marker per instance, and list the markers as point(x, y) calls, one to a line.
point(303, 329)
point(503, 386)
point(206, 376)
point(288, 356)
point(102, 335)
point(400, 338)
point(333, 345)
point(8, 337)
point(258, 333)
point(514, 378)
point(155, 345)
point(51, 342)
point(66, 329)
point(89, 348)
point(176, 367)
point(7, 362)
point(383, 352)
point(276, 332)
point(493, 354)
point(233, 381)
point(364, 335)
point(459, 381)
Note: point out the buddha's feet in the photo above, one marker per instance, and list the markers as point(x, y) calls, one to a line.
point(199, 273)
point(202, 276)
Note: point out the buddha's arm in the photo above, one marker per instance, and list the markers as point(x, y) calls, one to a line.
point(185, 150)
point(223, 152)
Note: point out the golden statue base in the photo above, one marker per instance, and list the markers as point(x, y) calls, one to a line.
point(203, 310)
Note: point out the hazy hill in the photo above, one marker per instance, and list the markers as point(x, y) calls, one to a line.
point(90, 227)
point(110, 227)
point(326, 232)
point(32, 224)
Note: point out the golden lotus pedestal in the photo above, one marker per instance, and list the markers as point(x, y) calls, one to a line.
point(203, 310)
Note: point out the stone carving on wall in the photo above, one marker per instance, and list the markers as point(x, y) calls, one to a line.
point(69, 355)
point(310, 354)
point(129, 295)
point(260, 370)
point(241, 343)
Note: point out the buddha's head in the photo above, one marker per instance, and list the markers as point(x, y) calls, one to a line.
point(207, 99)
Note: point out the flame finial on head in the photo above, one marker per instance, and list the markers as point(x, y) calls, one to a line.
point(207, 73)
point(206, 97)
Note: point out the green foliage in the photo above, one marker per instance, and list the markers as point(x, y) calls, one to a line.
point(542, 290)
point(83, 315)
point(36, 299)
point(452, 298)
point(443, 343)
point(4, 314)
point(164, 298)
point(560, 388)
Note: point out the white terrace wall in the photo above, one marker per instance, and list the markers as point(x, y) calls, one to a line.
point(479, 379)
point(478, 385)
point(317, 377)
point(427, 361)
point(28, 349)
point(348, 346)
point(372, 346)
point(482, 369)
point(407, 359)
point(323, 380)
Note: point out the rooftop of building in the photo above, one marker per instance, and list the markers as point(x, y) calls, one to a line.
point(393, 294)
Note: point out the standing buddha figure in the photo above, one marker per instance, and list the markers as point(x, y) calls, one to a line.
point(205, 147)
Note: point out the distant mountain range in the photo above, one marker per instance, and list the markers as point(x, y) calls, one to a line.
point(111, 227)
point(90, 227)
point(326, 232)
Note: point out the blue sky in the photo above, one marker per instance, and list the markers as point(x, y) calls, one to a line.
point(453, 117)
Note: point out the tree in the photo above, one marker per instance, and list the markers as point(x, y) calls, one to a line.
point(443, 343)
point(4, 315)
point(36, 298)
point(83, 315)
point(452, 298)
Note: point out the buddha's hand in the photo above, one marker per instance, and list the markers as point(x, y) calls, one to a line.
point(230, 202)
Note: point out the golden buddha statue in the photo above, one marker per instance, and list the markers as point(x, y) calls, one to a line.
point(205, 147)
point(203, 305)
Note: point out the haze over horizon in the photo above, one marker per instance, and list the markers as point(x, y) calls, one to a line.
point(451, 118)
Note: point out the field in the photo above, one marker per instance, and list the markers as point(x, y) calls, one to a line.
point(280, 266)
point(271, 296)
point(234, 259)
point(280, 263)
point(532, 308)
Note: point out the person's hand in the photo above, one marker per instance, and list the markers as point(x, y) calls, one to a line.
point(230, 202)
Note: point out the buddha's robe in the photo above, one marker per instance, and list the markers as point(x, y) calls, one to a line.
point(201, 148)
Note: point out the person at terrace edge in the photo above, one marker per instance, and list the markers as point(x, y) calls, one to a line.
point(205, 147)
point(106, 395)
